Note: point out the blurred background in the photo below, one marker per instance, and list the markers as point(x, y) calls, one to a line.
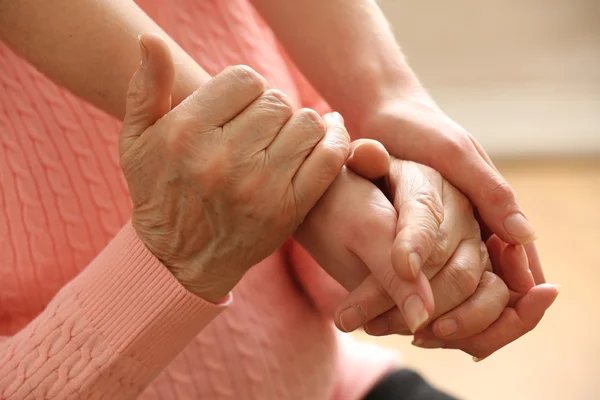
point(523, 76)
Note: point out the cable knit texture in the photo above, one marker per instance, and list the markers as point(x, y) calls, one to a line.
point(86, 311)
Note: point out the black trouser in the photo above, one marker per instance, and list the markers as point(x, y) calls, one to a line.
point(405, 384)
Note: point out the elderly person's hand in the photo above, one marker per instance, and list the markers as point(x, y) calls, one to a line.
point(223, 179)
point(412, 127)
point(524, 311)
point(350, 233)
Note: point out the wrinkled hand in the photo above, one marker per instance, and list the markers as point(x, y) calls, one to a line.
point(351, 230)
point(525, 309)
point(365, 224)
point(222, 180)
point(412, 127)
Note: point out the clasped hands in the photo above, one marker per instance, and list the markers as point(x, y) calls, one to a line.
point(411, 252)
point(226, 177)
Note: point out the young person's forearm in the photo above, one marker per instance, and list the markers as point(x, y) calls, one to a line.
point(345, 48)
point(89, 46)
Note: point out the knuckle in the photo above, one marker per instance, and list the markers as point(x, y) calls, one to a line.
point(457, 146)
point(278, 102)
point(440, 254)
point(500, 191)
point(433, 203)
point(311, 122)
point(333, 160)
point(474, 229)
point(178, 139)
point(334, 152)
point(489, 280)
point(463, 277)
point(485, 257)
point(247, 77)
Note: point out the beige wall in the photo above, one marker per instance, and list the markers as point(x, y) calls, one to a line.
point(522, 75)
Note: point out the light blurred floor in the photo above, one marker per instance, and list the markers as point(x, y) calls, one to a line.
point(561, 358)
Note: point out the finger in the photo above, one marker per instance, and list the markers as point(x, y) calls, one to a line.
point(524, 265)
point(497, 203)
point(535, 264)
point(454, 284)
point(512, 324)
point(317, 159)
point(477, 313)
point(224, 97)
point(369, 159)
point(255, 128)
point(149, 93)
point(482, 153)
point(418, 229)
point(465, 168)
point(514, 269)
point(413, 298)
point(459, 279)
point(495, 247)
point(420, 214)
point(365, 302)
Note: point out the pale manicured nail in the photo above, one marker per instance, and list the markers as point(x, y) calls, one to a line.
point(447, 327)
point(378, 326)
point(477, 359)
point(353, 318)
point(414, 261)
point(428, 344)
point(415, 312)
point(519, 228)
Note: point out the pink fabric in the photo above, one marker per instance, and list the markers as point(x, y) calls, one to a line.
point(86, 311)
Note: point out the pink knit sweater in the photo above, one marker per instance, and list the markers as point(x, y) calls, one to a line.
point(86, 311)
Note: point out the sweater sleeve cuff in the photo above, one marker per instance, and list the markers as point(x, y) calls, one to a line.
point(133, 300)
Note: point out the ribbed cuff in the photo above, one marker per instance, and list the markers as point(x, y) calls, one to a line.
point(133, 300)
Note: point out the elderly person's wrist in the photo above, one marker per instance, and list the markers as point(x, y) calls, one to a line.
point(209, 287)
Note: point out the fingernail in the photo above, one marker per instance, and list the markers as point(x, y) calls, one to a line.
point(558, 287)
point(352, 318)
point(144, 52)
point(428, 344)
point(477, 359)
point(519, 228)
point(338, 117)
point(328, 118)
point(448, 327)
point(378, 326)
point(415, 313)
point(414, 261)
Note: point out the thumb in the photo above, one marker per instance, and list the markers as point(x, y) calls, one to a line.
point(369, 159)
point(149, 92)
